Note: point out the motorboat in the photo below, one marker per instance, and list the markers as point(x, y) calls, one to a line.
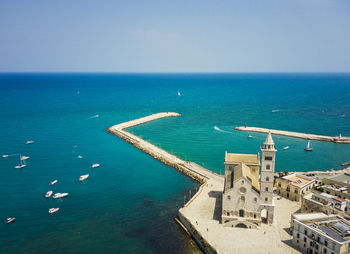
point(29, 142)
point(21, 165)
point(75, 146)
point(9, 220)
point(308, 146)
point(60, 195)
point(24, 158)
point(48, 194)
point(250, 136)
point(95, 165)
point(5, 155)
point(53, 182)
point(80, 157)
point(83, 177)
point(178, 93)
point(286, 148)
point(53, 210)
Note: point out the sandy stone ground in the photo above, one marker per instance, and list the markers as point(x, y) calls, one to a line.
point(204, 212)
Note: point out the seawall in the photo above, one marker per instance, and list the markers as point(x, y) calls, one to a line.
point(336, 139)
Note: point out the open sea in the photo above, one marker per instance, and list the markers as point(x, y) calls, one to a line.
point(129, 203)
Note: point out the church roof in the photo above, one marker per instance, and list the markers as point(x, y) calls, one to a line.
point(248, 172)
point(242, 158)
point(269, 140)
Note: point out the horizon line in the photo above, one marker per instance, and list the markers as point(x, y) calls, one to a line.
point(141, 72)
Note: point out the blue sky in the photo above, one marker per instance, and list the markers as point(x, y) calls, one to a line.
point(175, 36)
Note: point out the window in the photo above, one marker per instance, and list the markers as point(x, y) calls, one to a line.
point(325, 243)
point(279, 185)
point(288, 189)
point(266, 199)
point(296, 191)
point(242, 190)
point(268, 166)
point(267, 179)
point(266, 188)
point(305, 232)
point(325, 251)
point(232, 178)
point(298, 235)
point(255, 200)
point(305, 239)
point(242, 198)
point(228, 197)
point(268, 158)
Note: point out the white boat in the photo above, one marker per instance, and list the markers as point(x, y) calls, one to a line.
point(53, 210)
point(75, 146)
point(308, 146)
point(29, 142)
point(80, 157)
point(53, 182)
point(48, 194)
point(9, 220)
point(83, 177)
point(60, 195)
point(5, 155)
point(24, 158)
point(286, 148)
point(178, 93)
point(95, 165)
point(250, 136)
point(21, 165)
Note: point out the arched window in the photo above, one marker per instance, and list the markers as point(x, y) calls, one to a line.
point(266, 189)
point(267, 179)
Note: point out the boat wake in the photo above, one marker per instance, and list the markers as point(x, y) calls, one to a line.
point(95, 116)
point(218, 129)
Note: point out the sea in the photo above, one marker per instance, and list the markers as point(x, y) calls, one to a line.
point(128, 204)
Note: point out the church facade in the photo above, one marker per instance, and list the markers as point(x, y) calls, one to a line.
point(247, 199)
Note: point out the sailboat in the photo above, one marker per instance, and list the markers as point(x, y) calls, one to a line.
point(308, 146)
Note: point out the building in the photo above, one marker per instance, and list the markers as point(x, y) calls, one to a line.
point(248, 196)
point(322, 203)
point(294, 186)
point(340, 180)
point(316, 233)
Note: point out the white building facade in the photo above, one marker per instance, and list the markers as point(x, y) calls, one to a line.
point(248, 195)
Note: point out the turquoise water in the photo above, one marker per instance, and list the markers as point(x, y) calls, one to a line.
point(128, 204)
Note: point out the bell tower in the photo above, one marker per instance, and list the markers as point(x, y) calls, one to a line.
point(268, 155)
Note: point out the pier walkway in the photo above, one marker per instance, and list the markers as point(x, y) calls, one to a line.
point(336, 139)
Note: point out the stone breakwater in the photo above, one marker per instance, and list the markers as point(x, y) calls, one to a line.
point(191, 169)
point(207, 178)
point(336, 139)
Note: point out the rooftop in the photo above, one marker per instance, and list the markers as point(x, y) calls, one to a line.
point(335, 227)
point(343, 178)
point(242, 158)
point(298, 180)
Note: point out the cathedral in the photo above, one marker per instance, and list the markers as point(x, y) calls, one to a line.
point(247, 199)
